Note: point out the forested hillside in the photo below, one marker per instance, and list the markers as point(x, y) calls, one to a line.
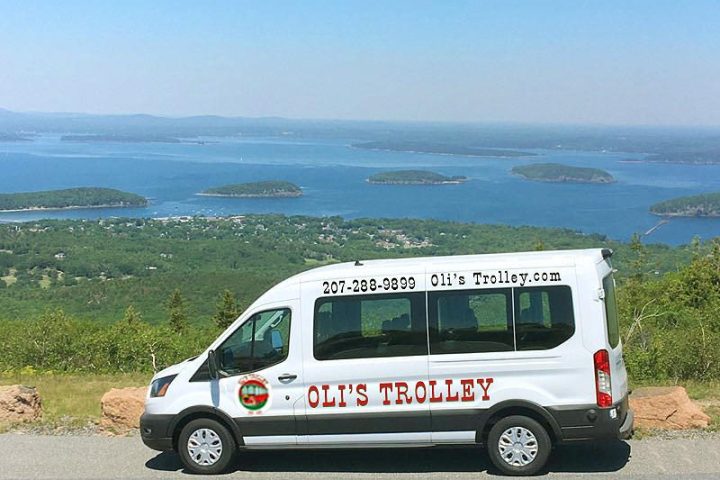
point(118, 295)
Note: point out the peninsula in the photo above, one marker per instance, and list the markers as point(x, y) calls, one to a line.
point(83, 197)
point(440, 148)
point(119, 139)
point(701, 157)
point(11, 137)
point(555, 172)
point(413, 177)
point(267, 189)
point(704, 205)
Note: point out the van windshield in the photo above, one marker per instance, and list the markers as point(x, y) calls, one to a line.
point(611, 315)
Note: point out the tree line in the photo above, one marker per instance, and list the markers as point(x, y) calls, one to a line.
point(57, 343)
point(670, 328)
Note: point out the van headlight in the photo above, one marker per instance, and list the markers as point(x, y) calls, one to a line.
point(159, 387)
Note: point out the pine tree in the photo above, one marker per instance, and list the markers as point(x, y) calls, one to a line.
point(176, 311)
point(131, 317)
point(639, 265)
point(227, 310)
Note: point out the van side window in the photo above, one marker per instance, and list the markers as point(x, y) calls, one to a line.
point(611, 315)
point(263, 340)
point(370, 326)
point(543, 317)
point(471, 321)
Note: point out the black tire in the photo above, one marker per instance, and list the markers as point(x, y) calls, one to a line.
point(519, 462)
point(206, 461)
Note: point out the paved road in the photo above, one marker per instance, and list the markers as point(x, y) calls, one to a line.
point(83, 457)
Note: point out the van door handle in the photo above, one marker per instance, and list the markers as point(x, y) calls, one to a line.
point(287, 377)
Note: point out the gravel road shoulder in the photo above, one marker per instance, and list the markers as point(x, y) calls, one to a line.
point(83, 457)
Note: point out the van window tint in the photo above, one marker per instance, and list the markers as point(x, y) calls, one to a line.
point(611, 316)
point(543, 317)
point(471, 321)
point(263, 340)
point(370, 326)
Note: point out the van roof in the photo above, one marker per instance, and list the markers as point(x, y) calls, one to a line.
point(511, 260)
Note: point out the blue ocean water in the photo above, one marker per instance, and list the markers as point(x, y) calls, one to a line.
point(333, 176)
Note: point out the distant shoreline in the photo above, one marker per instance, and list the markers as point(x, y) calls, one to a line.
point(410, 182)
point(253, 195)
point(685, 215)
point(669, 162)
point(562, 180)
point(72, 207)
point(485, 153)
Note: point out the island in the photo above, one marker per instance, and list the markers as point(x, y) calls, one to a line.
point(413, 177)
point(440, 148)
point(83, 197)
point(555, 172)
point(704, 205)
point(119, 139)
point(267, 189)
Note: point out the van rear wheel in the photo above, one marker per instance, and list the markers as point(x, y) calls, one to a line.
point(206, 446)
point(519, 445)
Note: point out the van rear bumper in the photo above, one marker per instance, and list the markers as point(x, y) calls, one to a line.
point(589, 422)
point(626, 429)
point(155, 431)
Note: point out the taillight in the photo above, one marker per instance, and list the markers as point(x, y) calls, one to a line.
point(603, 387)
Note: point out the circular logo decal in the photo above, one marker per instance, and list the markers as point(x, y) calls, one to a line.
point(254, 393)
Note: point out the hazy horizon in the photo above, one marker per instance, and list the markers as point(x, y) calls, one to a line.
point(468, 123)
point(618, 63)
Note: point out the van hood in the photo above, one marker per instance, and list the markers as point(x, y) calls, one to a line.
point(173, 369)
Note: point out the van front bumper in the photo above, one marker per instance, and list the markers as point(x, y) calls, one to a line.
point(592, 423)
point(155, 431)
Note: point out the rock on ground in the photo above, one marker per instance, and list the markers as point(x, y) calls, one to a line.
point(666, 408)
point(122, 408)
point(19, 403)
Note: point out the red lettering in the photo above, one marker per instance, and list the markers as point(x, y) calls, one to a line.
point(402, 391)
point(362, 399)
point(326, 401)
point(386, 388)
point(451, 398)
point(313, 403)
point(433, 397)
point(418, 396)
point(342, 388)
point(468, 393)
point(485, 385)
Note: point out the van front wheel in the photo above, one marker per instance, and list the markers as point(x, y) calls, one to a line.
point(206, 446)
point(519, 445)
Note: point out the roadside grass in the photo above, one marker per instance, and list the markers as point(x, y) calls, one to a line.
point(72, 400)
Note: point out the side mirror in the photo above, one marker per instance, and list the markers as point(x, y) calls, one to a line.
point(212, 365)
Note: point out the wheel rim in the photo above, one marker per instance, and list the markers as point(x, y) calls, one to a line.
point(518, 446)
point(204, 447)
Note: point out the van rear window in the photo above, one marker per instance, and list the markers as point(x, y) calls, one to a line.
point(543, 317)
point(477, 321)
point(611, 315)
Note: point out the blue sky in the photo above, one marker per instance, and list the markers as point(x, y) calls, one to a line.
point(535, 61)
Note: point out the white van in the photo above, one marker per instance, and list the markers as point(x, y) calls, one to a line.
point(514, 351)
